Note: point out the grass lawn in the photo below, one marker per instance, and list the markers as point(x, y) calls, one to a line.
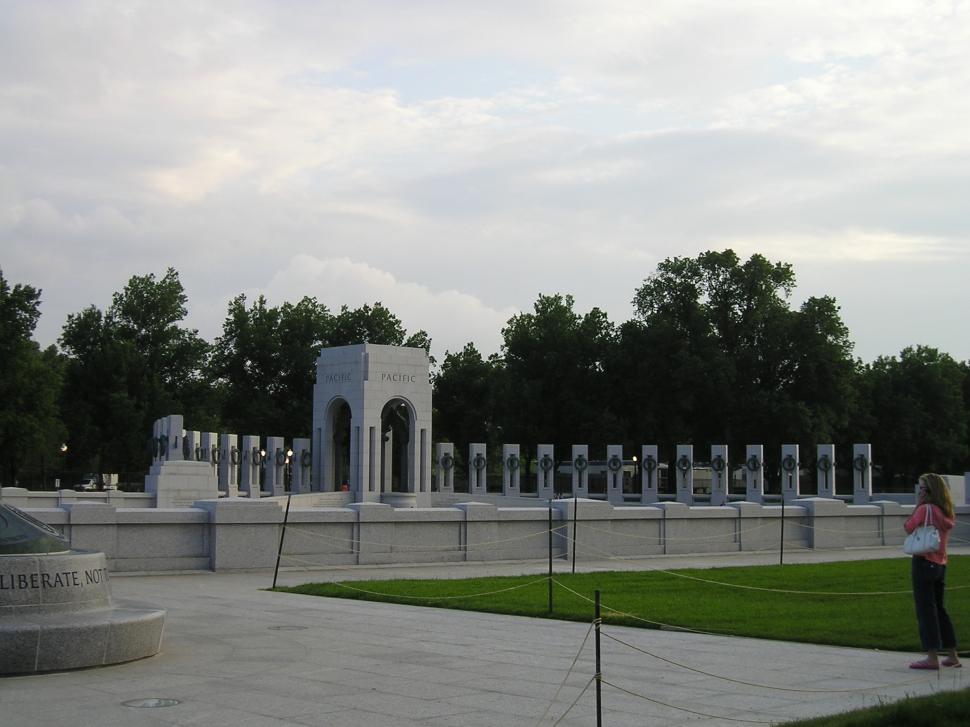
point(948, 709)
point(767, 602)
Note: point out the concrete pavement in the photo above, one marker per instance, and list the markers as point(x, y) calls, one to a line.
point(234, 654)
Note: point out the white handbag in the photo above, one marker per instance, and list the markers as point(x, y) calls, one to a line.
point(925, 539)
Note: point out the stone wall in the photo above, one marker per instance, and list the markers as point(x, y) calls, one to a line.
point(232, 534)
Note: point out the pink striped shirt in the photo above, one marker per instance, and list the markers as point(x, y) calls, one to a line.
point(942, 523)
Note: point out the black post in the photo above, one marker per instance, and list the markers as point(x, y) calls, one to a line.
point(575, 509)
point(599, 676)
point(550, 556)
point(279, 553)
point(781, 544)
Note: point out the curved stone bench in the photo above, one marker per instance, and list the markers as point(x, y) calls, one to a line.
point(56, 613)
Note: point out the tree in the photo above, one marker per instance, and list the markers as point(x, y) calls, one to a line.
point(30, 426)
point(464, 397)
point(916, 413)
point(553, 385)
point(265, 362)
point(727, 359)
point(126, 368)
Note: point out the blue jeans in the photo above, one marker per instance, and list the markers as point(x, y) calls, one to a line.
point(935, 628)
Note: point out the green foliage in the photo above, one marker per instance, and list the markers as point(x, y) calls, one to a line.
point(127, 367)
point(554, 384)
point(465, 390)
point(747, 601)
point(946, 709)
point(717, 354)
point(915, 412)
point(30, 381)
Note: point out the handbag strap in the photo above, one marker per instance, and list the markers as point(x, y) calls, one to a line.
point(928, 509)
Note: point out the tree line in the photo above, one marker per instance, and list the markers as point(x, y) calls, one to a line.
point(714, 354)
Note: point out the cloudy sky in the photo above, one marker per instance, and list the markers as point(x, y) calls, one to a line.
point(455, 159)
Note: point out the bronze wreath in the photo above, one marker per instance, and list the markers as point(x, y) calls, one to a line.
point(306, 458)
point(683, 464)
point(479, 462)
point(788, 463)
point(546, 463)
point(717, 464)
point(581, 463)
point(280, 457)
point(860, 463)
point(753, 464)
point(649, 463)
point(234, 455)
point(512, 462)
point(615, 464)
point(447, 462)
point(824, 463)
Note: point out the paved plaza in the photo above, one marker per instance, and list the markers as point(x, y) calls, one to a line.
point(235, 654)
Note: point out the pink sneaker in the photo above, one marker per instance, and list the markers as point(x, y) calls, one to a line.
point(925, 665)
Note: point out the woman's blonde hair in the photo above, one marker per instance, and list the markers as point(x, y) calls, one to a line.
point(937, 492)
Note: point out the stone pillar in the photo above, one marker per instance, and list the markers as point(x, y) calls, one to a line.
point(445, 466)
point(229, 464)
point(684, 467)
point(720, 474)
point(477, 469)
point(511, 470)
point(825, 470)
point(249, 466)
point(790, 489)
point(208, 443)
point(580, 470)
point(424, 468)
point(754, 475)
point(172, 429)
point(275, 466)
point(861, 474)
point(387, 460)
point(545, 471)
point(614, 474)
point(300, 466)
point(650, 468)
point(190, 446)
point(158, 449)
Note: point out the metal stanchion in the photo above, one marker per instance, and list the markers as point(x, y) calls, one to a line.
point(575, 515)
point(550, 556)
point(279, 553)
point(599, 676)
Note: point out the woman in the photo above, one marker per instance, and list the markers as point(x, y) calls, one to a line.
point(929, 574)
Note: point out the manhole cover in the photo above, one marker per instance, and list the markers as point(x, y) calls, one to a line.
point(150, 703)
point(287, 628)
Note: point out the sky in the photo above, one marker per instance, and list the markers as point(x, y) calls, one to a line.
point(455, 159)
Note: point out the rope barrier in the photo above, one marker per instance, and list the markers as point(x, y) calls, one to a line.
point(563, 682)
point(755, 684)
point(438, 598)
point(666, 538)
point(575, 701)
point(607, 556)
point(419, 548)
point(683, 709)
point(661, 624)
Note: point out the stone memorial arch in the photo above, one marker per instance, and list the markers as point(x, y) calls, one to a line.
point(369, 402)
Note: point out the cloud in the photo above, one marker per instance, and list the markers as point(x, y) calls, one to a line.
point(452, 318)
point(465, 157)
point(854, 246)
